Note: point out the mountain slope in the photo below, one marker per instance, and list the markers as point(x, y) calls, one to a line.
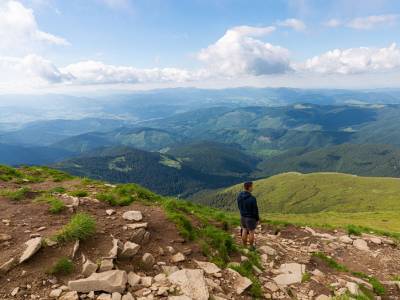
point(142, 138)
point(159, 172)
point(364, 160)
point(312, 193)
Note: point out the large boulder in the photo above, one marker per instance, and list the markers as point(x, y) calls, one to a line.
point(191, 282)
point(289, 274)
point(31, 247)
point(132, 215)
point(110, 281)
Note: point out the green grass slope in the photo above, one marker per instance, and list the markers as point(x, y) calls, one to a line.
point(314, 193)
point(364, 160)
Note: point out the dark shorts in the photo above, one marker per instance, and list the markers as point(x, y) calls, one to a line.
point(248, 223)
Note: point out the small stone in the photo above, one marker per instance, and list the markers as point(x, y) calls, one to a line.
point(104, 297)
point(133, 279)
point(89, 268)
point(41, 228)
point(130, 249)
point(55, 293)
point(70, 296)
point(116, 296)
point(208, 267)
point(110, 212)
point(107, 264)
point(136, 226)
point(170, 249)
point(146, 281)
point(128, 296)
point(132, 215)
point(346, 239)
point(15, 291)
point(271, 286)
point(148, 260)
point(179, 257)
point(360, 244)
point(268, 250)
point(31, 247)
point(353, 288)
point(5, 237)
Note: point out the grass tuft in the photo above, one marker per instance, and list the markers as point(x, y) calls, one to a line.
point(63, 266)
point(16, 195)
point(354, 230)
point(80, 227)
point(79, 193)
point(56, 205)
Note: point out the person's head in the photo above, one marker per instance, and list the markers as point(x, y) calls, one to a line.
point(248, 186)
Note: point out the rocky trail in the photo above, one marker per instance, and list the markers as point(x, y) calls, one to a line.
point(136, 252)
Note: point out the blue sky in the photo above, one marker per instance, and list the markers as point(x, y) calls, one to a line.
point(80, 45)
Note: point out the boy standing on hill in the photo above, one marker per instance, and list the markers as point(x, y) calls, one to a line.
point(247, 204)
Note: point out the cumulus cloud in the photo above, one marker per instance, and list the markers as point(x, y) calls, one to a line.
point(354, 61)
point(19, 29)
point(239, 52)
point(295, 24)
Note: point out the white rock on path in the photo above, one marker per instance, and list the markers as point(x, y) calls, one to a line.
point(31, 247)
point(345, 239)
point(104, 297)
point(240, 283)
point(130, 249)
point(290, 273)
point(70, 296)
point(208, 267)
point(128, 296)
point(353, 288)
point(133, 279)
point(132, 215)
point(360, 244)
point(191, 283)
point(55, 293)
point(179, 257)
point(110, 212)
point(137, 225)
point(110, 281)
point(89, 268)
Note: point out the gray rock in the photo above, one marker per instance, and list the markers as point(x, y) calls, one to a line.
point(208, 267)
point(360, 244)
point(107, 264)
point(148, 260)
point(110, 281)
point(138, 235)
point(240, 283)
point(88, 268)
point(353, 288)
point(132, 215)
point(130, 249)
point(179, 257)
point(70, 296)
point(168, 270)
point(137, 225)
point(104, 297)
point(133, 279)
point(55, 293)
point(128, 296)
point(345, 239)
point(289, 274)
point(191, 282)
point(31, 247)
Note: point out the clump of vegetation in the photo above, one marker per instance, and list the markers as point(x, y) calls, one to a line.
point(79, 193)
point(80, 227)
point(63, 266)
point(125, 194)
point(306, 277)
point(354, 230)
point(58, 189)
point(56, 205)
point(8, 173)
point(16, 195)
point(331, 262)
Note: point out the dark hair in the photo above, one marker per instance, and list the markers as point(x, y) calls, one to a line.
point(248, 185)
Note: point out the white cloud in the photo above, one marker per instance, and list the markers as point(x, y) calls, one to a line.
point(333, 23)
point(295, 24)
point(372, 21)
point(238, 52)
point(95, 72)
point(19, 29)
point(354, 61)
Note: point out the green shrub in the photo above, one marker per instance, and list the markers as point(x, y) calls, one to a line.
point(80, 227)
point(63, 266)
point(16, 195)
point(56, 205)
point(79, 193)
point(354, 230)
point(7, 173)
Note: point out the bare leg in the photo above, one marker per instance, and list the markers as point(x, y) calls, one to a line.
point(244, 236)
point(251, 238)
